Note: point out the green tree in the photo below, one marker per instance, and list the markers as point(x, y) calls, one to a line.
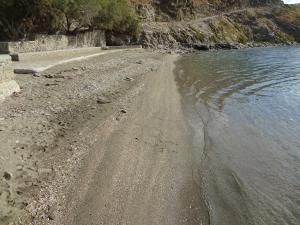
point(19, 18)
point(15, 17)
point(77, 14)
point(116, 16)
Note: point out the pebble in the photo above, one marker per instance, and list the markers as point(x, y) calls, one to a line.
point(47, 85)
point(123, 111)
point(7, 176)
point(50, 213)
point(128, 79)
point(19, 167)
point(44, 171)
point(49, 76)
point(103, 100)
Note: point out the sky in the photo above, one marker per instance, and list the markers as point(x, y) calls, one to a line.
point(291, 1)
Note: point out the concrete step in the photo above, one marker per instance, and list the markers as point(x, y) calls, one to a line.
point(31, 63)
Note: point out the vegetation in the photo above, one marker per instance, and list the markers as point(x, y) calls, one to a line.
point(20, 18)
point(289, 19)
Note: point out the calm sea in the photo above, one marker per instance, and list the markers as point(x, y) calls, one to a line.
point(244, 108)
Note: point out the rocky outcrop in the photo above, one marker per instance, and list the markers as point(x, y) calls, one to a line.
point(239, 28)
point(167, 10)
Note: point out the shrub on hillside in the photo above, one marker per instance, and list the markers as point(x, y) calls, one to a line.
point(117, 17)
point(288, 18)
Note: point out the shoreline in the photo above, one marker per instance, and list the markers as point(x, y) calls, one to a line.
point(61, 129)
point(70, 122)
point(227, 104)
point(185, 50)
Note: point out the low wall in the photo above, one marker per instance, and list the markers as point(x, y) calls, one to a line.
point(7, 84)
point(55, 42)
point(6, 69)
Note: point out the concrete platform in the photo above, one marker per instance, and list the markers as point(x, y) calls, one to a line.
point(31, 63)
point(7, 83)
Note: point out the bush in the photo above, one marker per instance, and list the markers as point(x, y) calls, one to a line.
point(117, 17)
point(19, 18)
point(288, 18)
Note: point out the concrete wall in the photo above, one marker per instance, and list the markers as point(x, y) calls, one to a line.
point(55, 42)
point(7, 84)
point(6, 70)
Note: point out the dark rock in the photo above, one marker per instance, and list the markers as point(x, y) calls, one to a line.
point(225, 46)
point(7, 176)
point(201, 47)
point(128, 79)
point(47, 85)
point(123, 111)
point(49, 76)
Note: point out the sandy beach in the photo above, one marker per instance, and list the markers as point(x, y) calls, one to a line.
point(102, 141)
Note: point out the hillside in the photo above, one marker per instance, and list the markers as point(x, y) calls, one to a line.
point(202, 24)
point(180, 9)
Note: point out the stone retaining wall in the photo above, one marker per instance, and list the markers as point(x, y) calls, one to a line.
point(55, 42)
point(7, 84)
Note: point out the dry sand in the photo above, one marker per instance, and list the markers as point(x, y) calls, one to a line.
point(103, 141)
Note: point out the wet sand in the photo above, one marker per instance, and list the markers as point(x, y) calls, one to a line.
point(141, 171)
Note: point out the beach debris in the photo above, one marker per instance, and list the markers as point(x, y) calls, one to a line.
point(139, 62)
point(123, 111)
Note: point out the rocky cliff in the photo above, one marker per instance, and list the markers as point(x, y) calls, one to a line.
point(205, 24)
point(182, 9)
